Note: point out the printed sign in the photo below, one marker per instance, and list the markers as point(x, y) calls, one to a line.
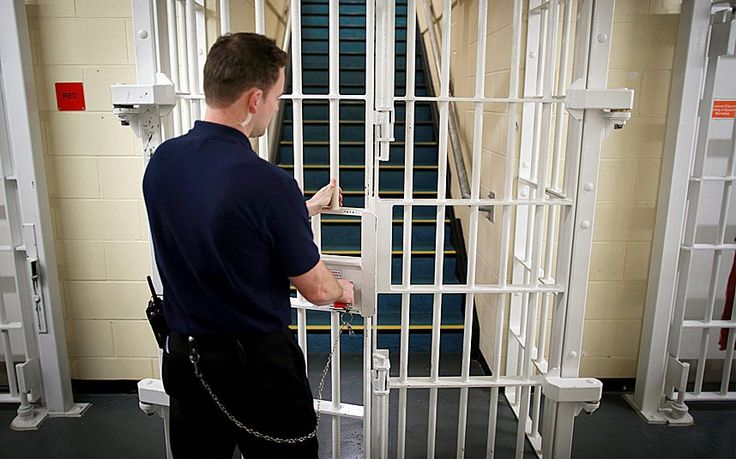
point(724, 109)
point(70, 96)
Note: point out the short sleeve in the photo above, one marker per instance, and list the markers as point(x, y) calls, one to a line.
point(286, 228)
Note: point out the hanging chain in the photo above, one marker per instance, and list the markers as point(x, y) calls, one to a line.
point(194, 358)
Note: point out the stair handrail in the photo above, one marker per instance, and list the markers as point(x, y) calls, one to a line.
point(276, 124)
point(454, 133)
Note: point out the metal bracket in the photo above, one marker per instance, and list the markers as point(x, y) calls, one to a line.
point(585, 392)
point(384, 120)
point(141, 107)
point(615, 103)
point(33, 266)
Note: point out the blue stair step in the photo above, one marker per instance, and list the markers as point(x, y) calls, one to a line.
point(316, 131)
point(343, 236)
point(424, 155)
point(351, 110)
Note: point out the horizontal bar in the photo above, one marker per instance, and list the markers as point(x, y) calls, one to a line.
point(380, 327)
point(461, 288)
point(480, 202)
point(7, 398)
point(449, 382)
point(730, 178)
point(709, 397)
point(705, 247)
point(547, 190)
point(11, 326)
point(359, 97)
point(346, 410)
point(708, 324)
point(489, 100)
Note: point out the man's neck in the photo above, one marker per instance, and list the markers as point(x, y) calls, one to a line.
point(228, 118)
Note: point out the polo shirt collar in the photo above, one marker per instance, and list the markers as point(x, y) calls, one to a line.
point(220, 130)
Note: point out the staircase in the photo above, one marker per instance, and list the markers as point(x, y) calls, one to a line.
point(341, 235)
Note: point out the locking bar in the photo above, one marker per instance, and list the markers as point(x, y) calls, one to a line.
point(585, 392)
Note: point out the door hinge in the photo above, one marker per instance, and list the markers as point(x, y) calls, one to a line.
point(616, 104)
point(585, 392)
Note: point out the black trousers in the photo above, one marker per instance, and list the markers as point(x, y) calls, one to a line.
point(261, 380)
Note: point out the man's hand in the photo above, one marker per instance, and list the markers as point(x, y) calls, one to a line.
point(322, 199)
point(348, 292)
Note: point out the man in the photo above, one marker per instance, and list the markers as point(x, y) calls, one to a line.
point(230, 231)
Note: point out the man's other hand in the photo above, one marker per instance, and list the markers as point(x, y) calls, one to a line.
point(322, 199)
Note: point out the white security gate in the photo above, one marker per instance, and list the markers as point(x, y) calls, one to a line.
point(545, 203)
point(32, 342)
point(687, 349)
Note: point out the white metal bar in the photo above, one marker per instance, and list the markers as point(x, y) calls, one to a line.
point(509, 173)
point(296, 89)
point(473, 242)
point(224, 16)
point(260, 13)
point(455, 382)
point(335, 374)
point(183, 59)
point(192, 57)
point(369, 343)
point(334, 91)
point(174, 60)
point(407, 227)
point(440, 228)
point(709, 247)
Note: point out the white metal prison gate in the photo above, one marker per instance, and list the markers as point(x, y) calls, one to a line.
point(31, 323)
point(554, 211)
point(690, 264)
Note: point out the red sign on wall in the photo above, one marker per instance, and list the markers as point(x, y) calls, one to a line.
point(724, 109)
point(70, 96)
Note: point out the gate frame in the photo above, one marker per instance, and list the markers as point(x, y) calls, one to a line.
point(659, 371)
point(44, 376)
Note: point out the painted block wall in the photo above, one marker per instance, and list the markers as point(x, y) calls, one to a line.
point(644, 38)
point(94, 168)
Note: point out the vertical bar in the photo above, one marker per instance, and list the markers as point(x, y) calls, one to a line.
point(334, 153)
point(7, 349)
point(509, 173)
point(263, 146)
point(370, 32)
point(593, 31)
point(480, 70)
point(296, 90)
point(334, 94)
point(174, 61)
point(192, 59)
point(224, 16)
point(407, 229)
point(369, 344)
point(440, 228)
point(335, 374)
point(185, 104)
point(260, 17)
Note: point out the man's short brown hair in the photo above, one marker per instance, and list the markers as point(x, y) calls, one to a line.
point(238, 62)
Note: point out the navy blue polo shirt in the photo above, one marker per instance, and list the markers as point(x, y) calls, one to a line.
point(228, 229)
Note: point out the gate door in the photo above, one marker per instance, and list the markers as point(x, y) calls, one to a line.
point(535, 146)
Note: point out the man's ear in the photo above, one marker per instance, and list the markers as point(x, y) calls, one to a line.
point(254, 100)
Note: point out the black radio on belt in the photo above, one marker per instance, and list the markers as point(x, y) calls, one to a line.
point(155, 314)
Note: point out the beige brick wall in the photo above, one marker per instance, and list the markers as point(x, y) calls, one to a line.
point(642, 54)
point(94, 170)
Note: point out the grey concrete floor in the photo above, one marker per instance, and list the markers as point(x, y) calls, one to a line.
point(114, 427)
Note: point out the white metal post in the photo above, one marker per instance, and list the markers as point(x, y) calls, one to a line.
point(593, 42)
point(42, 295)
